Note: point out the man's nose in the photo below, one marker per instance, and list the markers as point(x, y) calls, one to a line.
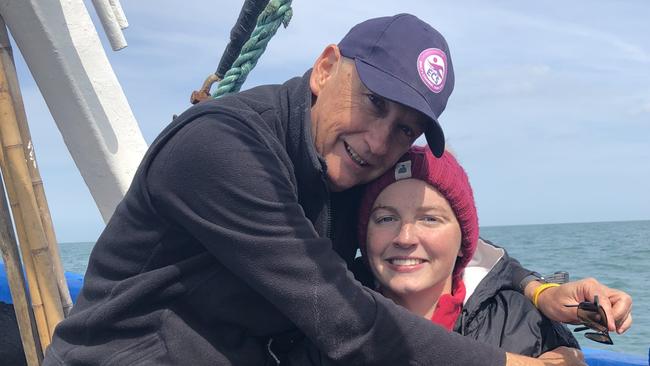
point(378, 138)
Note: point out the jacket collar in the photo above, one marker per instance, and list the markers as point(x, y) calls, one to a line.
point(483, 261)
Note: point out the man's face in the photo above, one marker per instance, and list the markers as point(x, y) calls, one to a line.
point(358, 133)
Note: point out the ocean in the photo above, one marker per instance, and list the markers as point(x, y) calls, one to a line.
point(616, 253)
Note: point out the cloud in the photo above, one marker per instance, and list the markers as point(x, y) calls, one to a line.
point(579, 34)
point(501, 81)
point(645, 107)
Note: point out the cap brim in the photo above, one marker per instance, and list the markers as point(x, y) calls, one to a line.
point(390, 87)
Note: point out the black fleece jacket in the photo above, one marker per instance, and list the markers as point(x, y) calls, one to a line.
point(497, 314)
point(224, 239)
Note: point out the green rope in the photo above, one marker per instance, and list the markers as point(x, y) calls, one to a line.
point(276, 12)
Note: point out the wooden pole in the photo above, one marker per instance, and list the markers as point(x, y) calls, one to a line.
point(16, 162)
point(24, 316)
point(28, 262)
point(7, 60)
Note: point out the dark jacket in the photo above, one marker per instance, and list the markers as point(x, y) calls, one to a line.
point(497, 314)
point(493, 312)
point(223, 240)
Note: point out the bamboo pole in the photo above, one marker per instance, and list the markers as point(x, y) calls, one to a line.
point(28, 262)
point(24, 317)
point(16, 161)
point(7, 60)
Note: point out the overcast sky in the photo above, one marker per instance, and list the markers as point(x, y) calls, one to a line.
point(550, 114)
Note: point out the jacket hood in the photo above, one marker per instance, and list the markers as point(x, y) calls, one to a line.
point(486, 275)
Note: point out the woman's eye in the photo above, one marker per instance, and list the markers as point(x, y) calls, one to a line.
point(384, 219)
point(429, 219)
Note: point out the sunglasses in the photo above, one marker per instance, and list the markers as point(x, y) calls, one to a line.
point(592, 316)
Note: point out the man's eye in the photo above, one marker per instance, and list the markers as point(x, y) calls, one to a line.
point(408, 131)
point(378, 102)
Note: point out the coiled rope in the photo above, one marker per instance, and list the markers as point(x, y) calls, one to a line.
point(276, 12)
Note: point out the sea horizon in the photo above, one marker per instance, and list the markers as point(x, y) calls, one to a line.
point(567, 223)
point(481, 226)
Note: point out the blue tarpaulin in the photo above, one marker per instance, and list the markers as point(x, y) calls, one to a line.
point(597, 357)
point(74, 283)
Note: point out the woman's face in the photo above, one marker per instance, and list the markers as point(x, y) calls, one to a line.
point(413, 239)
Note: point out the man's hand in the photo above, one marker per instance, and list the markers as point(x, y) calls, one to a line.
point(563, 356)
point(617, 304)
point(560, 356)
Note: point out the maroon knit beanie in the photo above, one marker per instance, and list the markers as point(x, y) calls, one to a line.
point(446, 176)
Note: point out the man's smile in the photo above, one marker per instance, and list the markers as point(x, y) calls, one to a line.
point(354, 156)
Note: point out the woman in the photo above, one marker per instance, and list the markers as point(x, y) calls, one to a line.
point(418, 233)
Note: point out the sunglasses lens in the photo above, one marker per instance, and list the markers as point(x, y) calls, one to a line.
point(588, 306)
point(599, 337)
point(593, 316)
point(594, 319)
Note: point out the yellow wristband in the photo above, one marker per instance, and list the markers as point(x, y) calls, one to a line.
point(541, 289)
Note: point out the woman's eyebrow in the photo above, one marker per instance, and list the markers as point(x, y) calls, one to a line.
point(439, 210)
point(431, 208)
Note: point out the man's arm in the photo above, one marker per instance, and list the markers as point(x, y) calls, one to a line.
point(232, 189)
point(561, 356)
point(617, 304)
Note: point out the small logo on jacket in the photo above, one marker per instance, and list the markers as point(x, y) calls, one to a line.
point(432, 67)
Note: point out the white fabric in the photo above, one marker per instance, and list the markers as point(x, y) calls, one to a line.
point(484, 259)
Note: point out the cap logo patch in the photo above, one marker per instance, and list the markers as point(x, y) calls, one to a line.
point(403, 170)
point(432, 67)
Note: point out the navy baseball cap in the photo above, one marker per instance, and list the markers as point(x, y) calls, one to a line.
point(404, 59)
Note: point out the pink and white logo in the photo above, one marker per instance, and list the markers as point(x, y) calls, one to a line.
point(432, 67)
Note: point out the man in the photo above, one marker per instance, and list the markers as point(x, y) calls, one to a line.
point(238, 226)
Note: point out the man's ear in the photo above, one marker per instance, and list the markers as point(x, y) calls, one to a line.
point(325, 67)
